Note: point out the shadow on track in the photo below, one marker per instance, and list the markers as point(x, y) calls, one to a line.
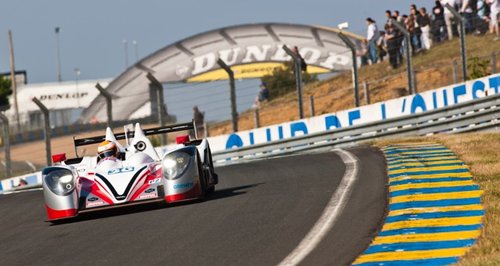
point(130, 209)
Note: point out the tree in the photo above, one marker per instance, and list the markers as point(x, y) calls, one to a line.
point(282, 80)
point(5, 91)
point(478, 67)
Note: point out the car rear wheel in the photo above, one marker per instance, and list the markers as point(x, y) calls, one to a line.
point(202, 177)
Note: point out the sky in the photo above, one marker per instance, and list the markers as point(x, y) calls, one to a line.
point(92, 32)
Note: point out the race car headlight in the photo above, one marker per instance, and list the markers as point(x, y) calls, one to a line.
point(175, 164)
point(61, 182)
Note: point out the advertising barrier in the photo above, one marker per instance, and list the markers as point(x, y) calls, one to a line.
point(20, 182)
point(421, 102)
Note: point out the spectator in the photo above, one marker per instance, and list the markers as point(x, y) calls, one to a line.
point(410, 27)
point(483, 10)
point(403, 40)
point(398, 17)
point(494, 14)
point(400, 38)
point(389, 17)
point(391, 45)
point(372, 37)
point(483, 17)
point(381, 51)
point(199, 120)
point(263, 94)
point(425, 26)
point(363, 53)
point(398, 33)
point(417, 32)
point(448, 17)
point(469, 10)
point(438, 24)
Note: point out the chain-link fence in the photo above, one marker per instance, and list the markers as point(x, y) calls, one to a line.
point(437, 67)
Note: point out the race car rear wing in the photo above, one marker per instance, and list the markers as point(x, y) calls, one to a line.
point(147, 132)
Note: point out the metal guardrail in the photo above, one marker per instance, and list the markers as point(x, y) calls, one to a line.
point(475, 115)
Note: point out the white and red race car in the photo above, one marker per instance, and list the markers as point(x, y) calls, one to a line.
point(138, 175)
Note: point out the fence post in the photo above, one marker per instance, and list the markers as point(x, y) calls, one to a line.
point(298, 78)
point(47, 133)
point(493, 62)
point(461, 20)
point(355, 79)
point(13, 81)
point(367, 92)
point(205, 129)
point(409, 63)
point(256, 117)
point(160, 104)
point(6, 142)
point(312, 111)
point(232, 91)
point(455, 71)
point(109, 104)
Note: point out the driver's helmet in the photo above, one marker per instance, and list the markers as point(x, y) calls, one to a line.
point(107, 149)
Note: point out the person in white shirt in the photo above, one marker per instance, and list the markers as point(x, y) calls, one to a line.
point(425, 26)
point(372, 36)
point(448, 16)
point(494, 13)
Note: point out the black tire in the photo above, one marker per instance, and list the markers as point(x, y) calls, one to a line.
point(210, 163)
point(210, 190)
point(202, 176)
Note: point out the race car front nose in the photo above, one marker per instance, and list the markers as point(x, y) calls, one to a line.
point(175, 164)
point(59, 180)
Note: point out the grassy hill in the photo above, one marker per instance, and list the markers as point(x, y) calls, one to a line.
point(433, 69)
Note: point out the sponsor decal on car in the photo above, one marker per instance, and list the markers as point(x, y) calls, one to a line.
point(95, 203)
point(154, 181)
point(183, 185)
point(120, 197)
point(149, 190)
point(148, 196)
point(121, 170)
point(81, 170)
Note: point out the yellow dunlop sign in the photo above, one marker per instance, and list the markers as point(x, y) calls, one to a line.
point(255, 70)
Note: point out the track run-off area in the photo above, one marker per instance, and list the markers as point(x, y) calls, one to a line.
point(405, 204)
point(435, 212)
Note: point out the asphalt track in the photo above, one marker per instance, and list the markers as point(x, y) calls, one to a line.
point(259, 213)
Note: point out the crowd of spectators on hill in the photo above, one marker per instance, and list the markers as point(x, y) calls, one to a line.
point(427, 27)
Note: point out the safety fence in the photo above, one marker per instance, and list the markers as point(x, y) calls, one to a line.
point(74, 129)
point(370, 91)
point(475, 115)
point(214, 103)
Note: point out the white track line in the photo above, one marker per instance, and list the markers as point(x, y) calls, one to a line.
point(331, 212)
